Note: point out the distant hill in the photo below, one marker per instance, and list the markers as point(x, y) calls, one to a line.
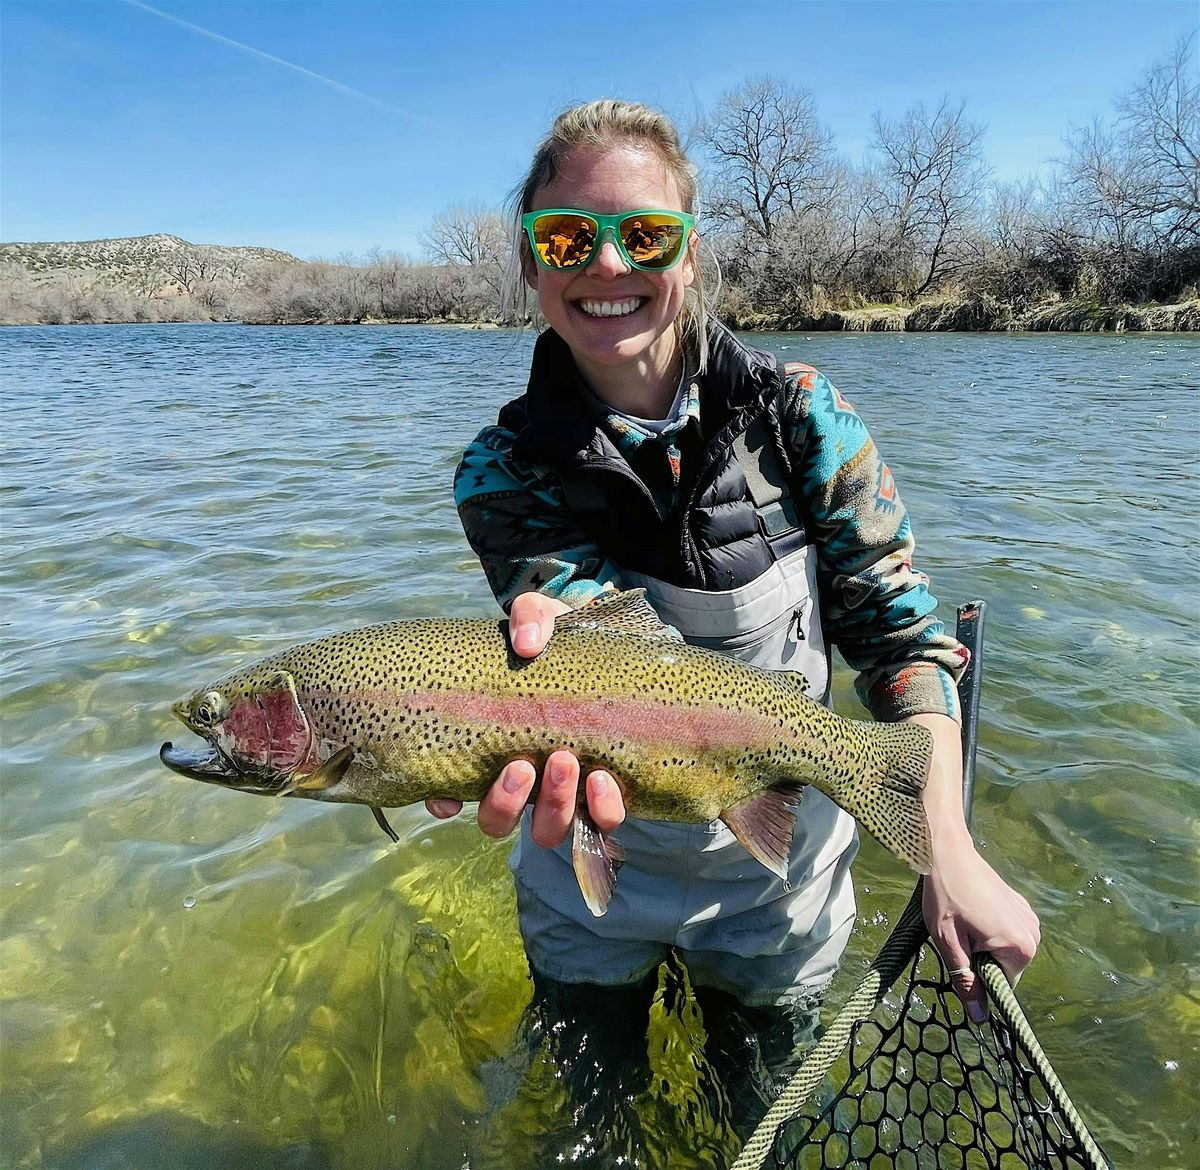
point(146, 265)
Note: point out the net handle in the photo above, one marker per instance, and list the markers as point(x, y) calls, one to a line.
point(971, 615)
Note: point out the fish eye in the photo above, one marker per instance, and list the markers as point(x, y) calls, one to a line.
point(208, 710)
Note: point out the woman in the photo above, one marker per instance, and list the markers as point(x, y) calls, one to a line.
point(653, 449)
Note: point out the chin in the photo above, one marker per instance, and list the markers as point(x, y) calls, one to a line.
point(613, 340)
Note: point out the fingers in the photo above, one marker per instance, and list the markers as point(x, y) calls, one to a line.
point(967, 985)
point(501, 808)
point(503, 803)
point(1012, 966)
point(554, 809)
point(556, 802)
point(531, 622)
point(1015, 948)
point(1015, 953)
point(604, 801)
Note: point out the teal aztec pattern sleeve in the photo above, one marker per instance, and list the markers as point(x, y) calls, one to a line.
point(519, 526)
point(876, 607)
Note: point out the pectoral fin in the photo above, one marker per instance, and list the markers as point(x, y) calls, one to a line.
point(328, 774)
point(596, 859)
point(763, 823)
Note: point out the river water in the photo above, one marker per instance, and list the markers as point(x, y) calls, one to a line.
point(197, 978)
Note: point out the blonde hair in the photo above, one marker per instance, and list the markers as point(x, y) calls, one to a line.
point(605, 123)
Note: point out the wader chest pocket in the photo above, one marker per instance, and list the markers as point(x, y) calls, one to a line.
point(772, 645)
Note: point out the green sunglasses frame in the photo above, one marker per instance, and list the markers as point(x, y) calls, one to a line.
point(607, 224)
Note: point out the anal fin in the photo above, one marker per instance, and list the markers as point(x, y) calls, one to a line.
point(595, 858)
point(763, 823)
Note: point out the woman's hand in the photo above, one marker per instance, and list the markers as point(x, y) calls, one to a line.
point(968, 906)
point(531, 622)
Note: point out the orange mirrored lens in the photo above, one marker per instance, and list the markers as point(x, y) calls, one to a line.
point(564, 241)
point(652, 241)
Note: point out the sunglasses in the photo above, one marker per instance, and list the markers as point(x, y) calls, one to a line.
point(565, 238)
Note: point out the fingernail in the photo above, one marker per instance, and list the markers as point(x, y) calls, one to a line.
point(526, 635)
point(513, 779)
point(597, 784)
point(977, 1011)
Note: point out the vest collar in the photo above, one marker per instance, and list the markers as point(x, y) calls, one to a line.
point(561, 429)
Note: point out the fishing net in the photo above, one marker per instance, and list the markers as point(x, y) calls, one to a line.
point(922, 1088)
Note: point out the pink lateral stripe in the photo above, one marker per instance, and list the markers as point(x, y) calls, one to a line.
point(697, 728)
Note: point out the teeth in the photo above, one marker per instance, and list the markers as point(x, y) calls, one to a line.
point(610, 308)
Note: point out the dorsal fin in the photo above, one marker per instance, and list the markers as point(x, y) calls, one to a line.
point(621, 613)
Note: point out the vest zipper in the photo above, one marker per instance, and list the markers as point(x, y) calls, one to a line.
point(705, 479)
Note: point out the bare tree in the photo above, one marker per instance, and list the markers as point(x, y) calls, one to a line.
point(926, 185)
point(1160, 127)
point(1017, 235)
point(145, 280)
point(469, 234)
point(772, 158)
point(181, 268)
point(1015, 218)
point(1130, 189)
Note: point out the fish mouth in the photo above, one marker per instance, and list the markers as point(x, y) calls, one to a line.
point(203, 763)
point(212, 766)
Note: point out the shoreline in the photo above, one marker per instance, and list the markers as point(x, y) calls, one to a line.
point(950, 315)
point(947, 315)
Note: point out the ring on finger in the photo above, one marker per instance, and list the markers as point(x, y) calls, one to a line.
point(955, 972)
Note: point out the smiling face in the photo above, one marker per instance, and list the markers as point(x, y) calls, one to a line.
point(618, 321)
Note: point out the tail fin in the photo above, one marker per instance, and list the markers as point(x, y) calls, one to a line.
point(886, 798)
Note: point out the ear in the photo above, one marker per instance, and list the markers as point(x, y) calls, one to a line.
point(689, 261)
point(529, 269)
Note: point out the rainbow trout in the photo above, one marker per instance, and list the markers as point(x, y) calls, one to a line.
point(393, 714)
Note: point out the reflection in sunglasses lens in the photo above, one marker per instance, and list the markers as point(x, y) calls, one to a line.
point(653, 241)
point(564, 241)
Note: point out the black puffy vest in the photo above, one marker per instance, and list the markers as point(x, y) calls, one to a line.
point(714, 538)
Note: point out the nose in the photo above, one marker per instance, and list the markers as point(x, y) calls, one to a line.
point(608, 262)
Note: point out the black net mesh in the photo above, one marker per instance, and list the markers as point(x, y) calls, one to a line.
point(923, 1089)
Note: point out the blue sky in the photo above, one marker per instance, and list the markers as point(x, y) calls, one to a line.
point(329, 126)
